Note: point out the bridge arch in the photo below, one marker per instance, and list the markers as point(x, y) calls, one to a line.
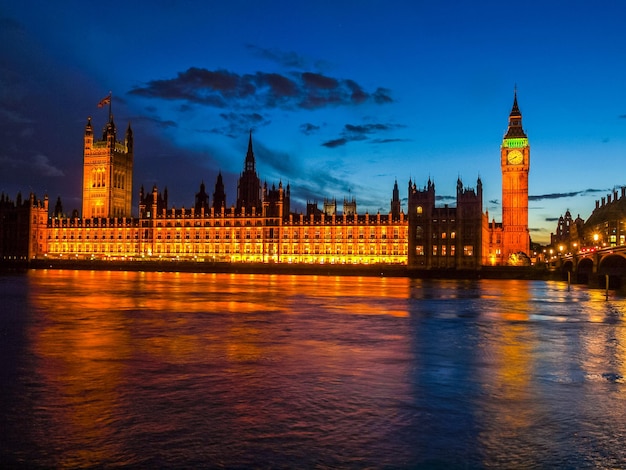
point(584, 270)
point(613, 265)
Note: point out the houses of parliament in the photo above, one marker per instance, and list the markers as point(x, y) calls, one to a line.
point(261, 228)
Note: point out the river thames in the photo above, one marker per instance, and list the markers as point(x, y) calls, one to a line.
point(153, 370)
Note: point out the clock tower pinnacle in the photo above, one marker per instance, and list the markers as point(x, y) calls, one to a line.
point(515, 164)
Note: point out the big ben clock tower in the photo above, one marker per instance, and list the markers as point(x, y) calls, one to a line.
point(515, 163)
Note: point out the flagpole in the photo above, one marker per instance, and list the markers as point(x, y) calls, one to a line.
point(110, 101)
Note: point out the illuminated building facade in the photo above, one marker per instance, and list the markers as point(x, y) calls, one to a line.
point(261, 227)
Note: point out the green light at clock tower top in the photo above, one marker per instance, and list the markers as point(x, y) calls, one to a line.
point(515, 143)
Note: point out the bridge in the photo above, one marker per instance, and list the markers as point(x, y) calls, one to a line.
point(594, 265)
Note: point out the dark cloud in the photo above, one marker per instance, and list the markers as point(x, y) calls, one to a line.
point(382, 96)
point(358, 95)
point(494, 202)
point(275, 163)
point(445, 198)
point(279, 85)
point(335, 143)
point(317, 80)
point(388, 141)
point(307, 128)
point(238, 124)
point(565, 195)
point(366, 129)
point(353, 133)
point(36, 165)
point(157, 122)
point(221, 88)
point(551, 219)
point(288, 59)
point(42, 165)
point(13, 116)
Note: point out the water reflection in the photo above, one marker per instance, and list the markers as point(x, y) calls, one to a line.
point(133, 363)
point(225, 370)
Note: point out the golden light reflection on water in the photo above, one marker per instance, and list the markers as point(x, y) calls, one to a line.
point(98, 333)
point(131, 364)
point(507, 415)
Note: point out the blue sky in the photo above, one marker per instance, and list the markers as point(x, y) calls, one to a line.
point(343, 98)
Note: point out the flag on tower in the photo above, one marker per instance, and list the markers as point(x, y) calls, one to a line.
point(105, 100)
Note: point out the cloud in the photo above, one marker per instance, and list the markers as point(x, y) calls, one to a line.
point(388, 141)
point(353, 133)
point(319, 81)
point(288, 59)
point(238, 124)
point(551, 219)
point(565, 195)
point(307, 128)
point(8, 116)
point(160, 123)
point(222, 88)
point(276, 163)
point(382, 96)
point(494, 202)
point(335, 143)
point(38, 165)
point(41, 164)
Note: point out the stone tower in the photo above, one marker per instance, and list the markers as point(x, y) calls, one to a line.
point(107, 173)
point(515, 164)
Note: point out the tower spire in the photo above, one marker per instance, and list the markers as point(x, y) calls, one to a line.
point(249, 166)
point(515, 120)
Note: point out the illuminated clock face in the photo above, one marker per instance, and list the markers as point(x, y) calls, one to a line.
point(515, 157)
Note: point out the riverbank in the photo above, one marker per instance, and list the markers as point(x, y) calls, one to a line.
point(378, 270)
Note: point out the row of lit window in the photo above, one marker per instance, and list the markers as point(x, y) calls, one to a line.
point(222, 233)
point(242, 249)
point(444, 250)
point(419, 234)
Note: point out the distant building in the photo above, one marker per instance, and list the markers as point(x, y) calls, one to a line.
point(605, 227)
point(23, 228)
